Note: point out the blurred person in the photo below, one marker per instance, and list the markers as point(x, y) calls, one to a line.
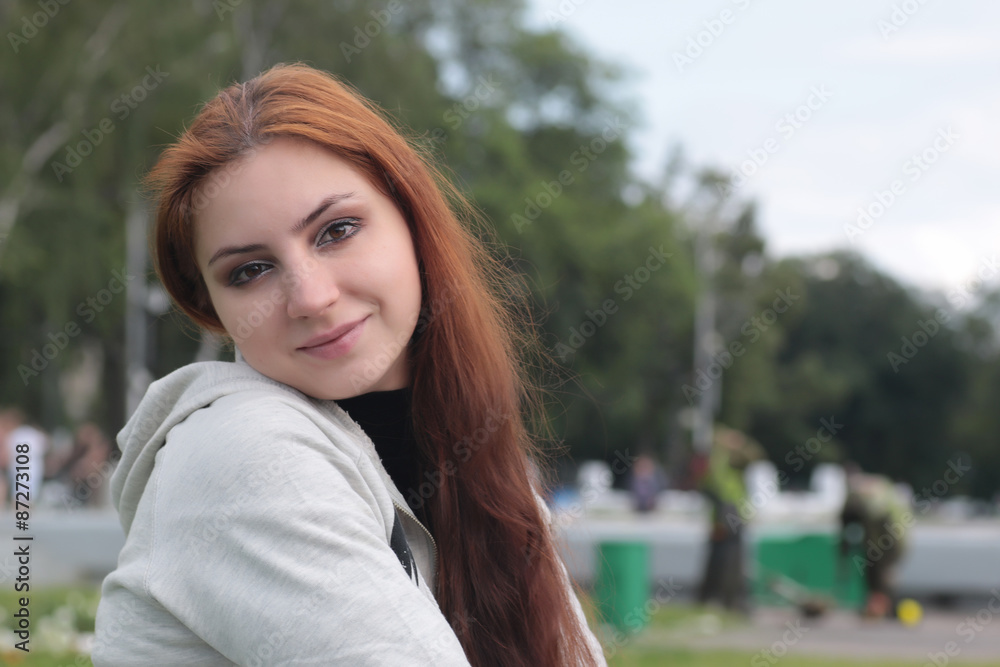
point(10, 419)
point(875, 520)
point(355, 488)
point(26, 482)
point(85, 467)
point(645, 483)
point(724, 578)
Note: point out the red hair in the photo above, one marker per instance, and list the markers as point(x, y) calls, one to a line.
point(501, 583)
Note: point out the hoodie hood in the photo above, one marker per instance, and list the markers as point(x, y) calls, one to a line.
point(169, 401)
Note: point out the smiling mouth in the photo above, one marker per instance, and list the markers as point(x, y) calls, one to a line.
point(336, 342)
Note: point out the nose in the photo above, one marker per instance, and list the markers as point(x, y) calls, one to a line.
point(310, 291)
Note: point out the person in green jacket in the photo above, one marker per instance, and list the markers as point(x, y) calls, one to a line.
point(724, 579)
point(876, 516)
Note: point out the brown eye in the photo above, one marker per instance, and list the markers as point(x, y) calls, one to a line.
point(247, 273)
point(338, 231)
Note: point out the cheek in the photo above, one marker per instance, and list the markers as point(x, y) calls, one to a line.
point(223, 306)
point(396, 276)
point(408, 284)
point(246, 319)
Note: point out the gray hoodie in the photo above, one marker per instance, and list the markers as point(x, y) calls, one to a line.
point(262, 529)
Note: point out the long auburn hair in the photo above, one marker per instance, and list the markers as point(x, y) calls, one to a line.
point(500, 582)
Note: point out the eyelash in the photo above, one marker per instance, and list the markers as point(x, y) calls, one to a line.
point(349, 225)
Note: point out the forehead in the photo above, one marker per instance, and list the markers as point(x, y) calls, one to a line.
point(271, 187)
point(284, 164)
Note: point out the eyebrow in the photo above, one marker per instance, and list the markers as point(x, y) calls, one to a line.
point(297, 229)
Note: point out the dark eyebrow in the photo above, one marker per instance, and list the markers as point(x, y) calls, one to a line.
point(297, 229)
point(323, 205)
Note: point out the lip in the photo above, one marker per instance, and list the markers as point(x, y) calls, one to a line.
point(336, 342)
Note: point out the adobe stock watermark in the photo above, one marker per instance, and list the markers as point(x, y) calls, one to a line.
point(113, 624)
point(961, 295)
point(485, 88)
point(639, 616)
point(701, 41)
point(779, 648)
point(753, 328)
point(913, 169)
point(802, 454)
point(263, 654)
point(901, 14)
point(78, 495)
point(30, 25)
point(749, 507)
point(59, 340)
point(377, 365)
point(786, 126)
point(223, 518)
point(456, 626)
point(223, 7)
point(912, 344)
point(923, 500)
point(8, 569)
point(629, 284)
point(121, 107)
point(563, 11)
point(968, 629)
point(372, 29)
point(463, 450)
point(622, 462)
point(264, 308)
point(581, 158)
point(220, 178)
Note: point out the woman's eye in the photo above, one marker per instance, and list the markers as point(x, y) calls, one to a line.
point(338, 231)
point(246, 273)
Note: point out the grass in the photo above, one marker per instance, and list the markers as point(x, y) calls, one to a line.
point(58, 616)
point(45, 659)
point(651, 646)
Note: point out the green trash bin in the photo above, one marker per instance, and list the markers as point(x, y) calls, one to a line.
point(622, 587)
point(810, 560)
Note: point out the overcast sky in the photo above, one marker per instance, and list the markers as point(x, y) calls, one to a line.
point(902, 94)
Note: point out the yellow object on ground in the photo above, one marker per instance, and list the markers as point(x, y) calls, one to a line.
point(909, 611)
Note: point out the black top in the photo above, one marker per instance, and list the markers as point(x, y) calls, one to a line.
point(385, 418)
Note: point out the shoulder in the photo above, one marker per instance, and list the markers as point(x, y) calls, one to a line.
point(258, 428)
point(215, 423)
point(208, 406)
point(259, 460)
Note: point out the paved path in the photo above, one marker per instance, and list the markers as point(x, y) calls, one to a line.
point(971, 636)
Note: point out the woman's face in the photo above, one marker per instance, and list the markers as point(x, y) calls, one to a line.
point(311, 270)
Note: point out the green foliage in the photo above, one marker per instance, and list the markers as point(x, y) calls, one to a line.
point(82, 601)
point(60, 616)
point(831, 359)
point(535, 131)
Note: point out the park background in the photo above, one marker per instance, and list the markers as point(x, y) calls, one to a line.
point(622, 230)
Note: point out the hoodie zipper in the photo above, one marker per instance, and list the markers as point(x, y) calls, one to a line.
point(373, 455)
point(407, 512)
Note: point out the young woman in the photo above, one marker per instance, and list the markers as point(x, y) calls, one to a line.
point(355, 489)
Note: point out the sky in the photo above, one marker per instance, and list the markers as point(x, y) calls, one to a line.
point(822, 112)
